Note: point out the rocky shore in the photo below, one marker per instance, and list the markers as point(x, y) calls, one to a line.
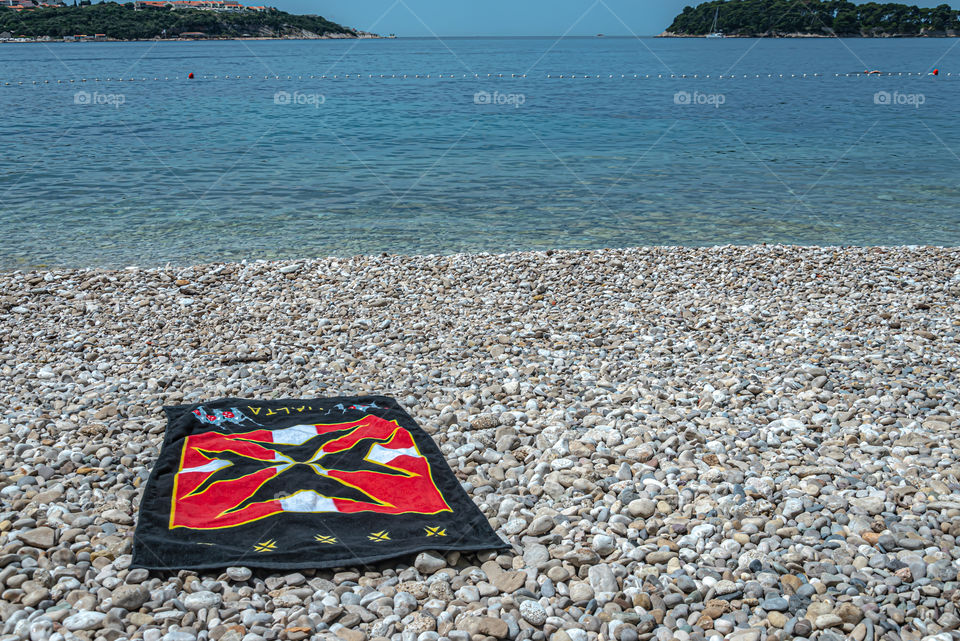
point(740, 443)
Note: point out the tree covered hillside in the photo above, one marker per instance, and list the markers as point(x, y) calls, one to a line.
point(122, 22)
point(815, 17)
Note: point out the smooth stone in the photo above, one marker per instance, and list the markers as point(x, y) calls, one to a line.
point(84, 620)
point(130, 597)
point(509, 582)
point(533, 613)
point(200, 600)
point(777, 619)
point(603, 544)
point(581, 592)
point(777, 604)
point(41, 537)
point(753, 634)
point(118, 517)
point(827, 621)
point(487, 626)
point(540, 526)
point(602, 579)
point(428, 562)
point(642, 508)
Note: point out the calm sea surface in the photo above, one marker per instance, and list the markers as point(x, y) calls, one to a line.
point(148, 172)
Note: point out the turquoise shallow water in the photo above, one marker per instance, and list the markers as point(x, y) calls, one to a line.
point(149, 172)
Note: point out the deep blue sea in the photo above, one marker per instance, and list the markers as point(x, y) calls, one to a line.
point(285, 163)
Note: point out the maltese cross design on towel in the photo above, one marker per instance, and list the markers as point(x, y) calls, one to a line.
point(370, 465)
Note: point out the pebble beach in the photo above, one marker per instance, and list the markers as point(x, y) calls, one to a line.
point(741, 443)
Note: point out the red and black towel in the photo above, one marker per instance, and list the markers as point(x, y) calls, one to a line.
point(300, 484)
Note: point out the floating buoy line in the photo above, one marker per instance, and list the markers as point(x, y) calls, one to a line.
point(497, 76)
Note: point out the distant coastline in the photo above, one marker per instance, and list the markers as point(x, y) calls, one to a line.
point(35, 41)
point(813, 19)
point(668, 34)
point(153, 20)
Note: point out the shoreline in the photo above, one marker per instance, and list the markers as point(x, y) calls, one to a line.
point(61, 41)
point(509, 255)
point(784, 36)
point(664, 35)
point(753, 443)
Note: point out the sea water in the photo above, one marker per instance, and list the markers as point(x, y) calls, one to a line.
point(493, 152)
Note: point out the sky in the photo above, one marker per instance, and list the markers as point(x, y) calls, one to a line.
point(504, 17)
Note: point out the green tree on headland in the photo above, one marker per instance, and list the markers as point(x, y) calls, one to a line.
point(846, 22)
point(123, 22)
point(816, 17)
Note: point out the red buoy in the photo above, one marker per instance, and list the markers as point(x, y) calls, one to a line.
point(190, 75)
point(936, 72)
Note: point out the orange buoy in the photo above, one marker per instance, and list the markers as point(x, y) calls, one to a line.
point(190, 75)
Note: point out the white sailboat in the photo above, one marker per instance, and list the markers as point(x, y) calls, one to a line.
point(714, 31)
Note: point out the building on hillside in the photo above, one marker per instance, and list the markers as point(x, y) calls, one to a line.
point(203, 5)
point(22, 5)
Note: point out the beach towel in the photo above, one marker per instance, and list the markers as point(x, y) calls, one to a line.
point(285, 484)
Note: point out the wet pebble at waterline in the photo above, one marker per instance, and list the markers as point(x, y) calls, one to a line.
point(741, 443)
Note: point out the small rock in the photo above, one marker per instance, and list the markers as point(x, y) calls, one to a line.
point(429, 562)
point(487, 626)
point(872, 505)
point(776, 604)
point(510, 582)
point(602, 579)
point(239, 574)
point(849, 613)
point(137, 575)
point(117, 516)
point(777, 619)
point(540, 526)
point(792, 507)
point(485, 422)
point(580, 592)
point(84, 620)
point(533, 613)
point(603, 544)
point(349, 634)
point(130, 597)
point(200, 600)
point(825, 621)
point(40, 537)
point(642, 508)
